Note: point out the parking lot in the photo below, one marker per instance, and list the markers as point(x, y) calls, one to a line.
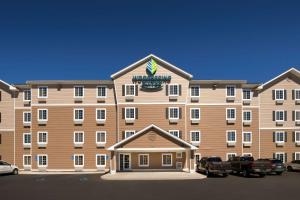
point(91, 186)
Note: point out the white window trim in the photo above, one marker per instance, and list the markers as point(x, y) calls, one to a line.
point(277, 153)
point(283, 95)
point(24, 138)
point(296, 115)
point(129, 95)
point(82, 160)
point(169, 113)
point(227, 136)
point(296, 136)
point(26, 155)
point(250, 116)
point(38, 137)
point(38, 160)
point(75, 137)
point(104, 137)
point(276, 141)
point(30, 95)
point(97, 96)
point(227, 114)
point(234, 86)
point(173, 95)
point(74, 93)
point(126, 131)
point(127, 108)
point(191, 114)
point(175, 131)
point(250, 94)
point(162, 160)
point(143, 154)
point(97, 114)
point(25, 122)
point(277, 120)
point(198, 89)
point(246, 142)
point(42, 97)
point(74, 115)
point(227, 155)
point(104, 160)
point(295, 155)
point(295, 91)
point(195, 157)
point(178, 154)
point(199, 136)
point(38, 116)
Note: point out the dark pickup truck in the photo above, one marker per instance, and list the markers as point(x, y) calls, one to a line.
point(213, 166)
point(247, 165)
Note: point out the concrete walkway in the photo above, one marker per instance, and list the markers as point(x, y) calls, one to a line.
point(58, 172)
point(152, 176)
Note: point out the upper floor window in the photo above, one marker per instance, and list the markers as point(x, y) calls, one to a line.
point(297, 94)
point(297, 136)
point(43, 92)
point(101, 114)
point(195, 113)
point(230, 91)
point(101, 91)
point(129, 89)
point(195, 136)
point(297, 115)
point(230, 113)
point(173, 89)
point(279, 115)
point(129, 113)
point(101, 137)
point(78, 114)
point(173, 113)
point(279, 136)
point(26, 95)
point(42, 115)
point(247, 116)
point(78, 91)
point(195, 91)
point(42, 138)
point(175, 133)
point(78, 137)
point(231, 136)
point(129, 133)
point(279, 94)
point(26, 138)
point(26, 117)
point(246, 94)
point(247, 137)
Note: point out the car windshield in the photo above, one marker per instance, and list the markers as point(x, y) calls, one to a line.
point(214, 159)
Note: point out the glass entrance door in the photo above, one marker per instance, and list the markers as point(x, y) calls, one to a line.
point(125, 161)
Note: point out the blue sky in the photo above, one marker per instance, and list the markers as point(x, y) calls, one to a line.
point(252, 40)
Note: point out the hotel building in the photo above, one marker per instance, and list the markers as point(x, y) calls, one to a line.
point(150, 115)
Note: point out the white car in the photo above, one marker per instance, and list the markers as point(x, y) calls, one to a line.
point(293, 166)
point(6, 168)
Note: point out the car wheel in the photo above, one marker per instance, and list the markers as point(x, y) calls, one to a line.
point(15, 172)
point(289, 168)
point(245, 173)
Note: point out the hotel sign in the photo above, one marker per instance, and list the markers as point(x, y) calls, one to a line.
point(151, 81)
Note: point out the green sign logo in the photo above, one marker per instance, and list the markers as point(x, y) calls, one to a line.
point(151, 67)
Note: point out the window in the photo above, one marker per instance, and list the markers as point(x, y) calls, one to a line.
point(26, 160)
point(173, 113)
point(247, 154)
point(173, 89)
point(0, 117)
point(195, 91)
point(231, 136)
point(143, 160)
point(78, 137)
point(129, 113)
point(42, 92)
point(27, 139)
point(26, 95)
point(0, 140)
point(247, 116)
point(230, 113)
point(197, 157)
point(279, 136)
point(297, 94)
point(167, 160)
point(280, 156)
point(279, 115)
point(79, 91)
point(42, 115)
point(230, 91)
point(247, 137)
point(26, 117)
point(101, 137)
point(129, 89)
point(230, 156)
point(297, 136)
point(175, 133)
point(101, 91)
point(42, 160)
point(297, 115)
point(42, 137)
point(100, 160)
point(246, 94)
point(101, 114)
point(128, 134)
point(195, 113)
point(78, 160)
point(279, 94)
point(195, 136)
point(78, 114)
point(297, 156)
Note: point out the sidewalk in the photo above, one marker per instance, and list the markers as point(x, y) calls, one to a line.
point(59, 172)
point(153, 176)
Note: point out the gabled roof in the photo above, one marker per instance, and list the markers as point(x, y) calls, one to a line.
point(9, 86)
point(132, 66)
point(148, 128)
point(292, 70)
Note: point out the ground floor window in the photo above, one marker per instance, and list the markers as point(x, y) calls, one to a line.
point(247, 154)
point(230, 156)
point(143, 160)
point(100, 160)
point(297, 156)
point(197, 157)
point(281, 156)
point(27, 160)
point(78, 160)
point(42, 160)
point(167, 160)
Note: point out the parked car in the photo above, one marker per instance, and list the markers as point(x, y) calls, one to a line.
point(213, 166)
point(6, 168)
point(277, 166)
point(293, 166)
point(247, 165)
